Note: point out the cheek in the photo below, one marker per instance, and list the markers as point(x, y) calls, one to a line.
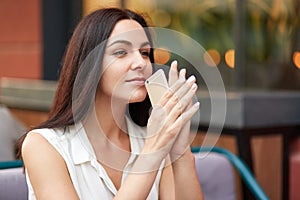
point(112, 72)
point(109, 80)
point(148, 71)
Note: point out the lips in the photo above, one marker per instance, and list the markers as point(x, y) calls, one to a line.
point(137, 80)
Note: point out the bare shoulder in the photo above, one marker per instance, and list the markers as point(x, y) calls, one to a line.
point(36, 144)
point(37, 153)
point(32, 139)
point(46, 168)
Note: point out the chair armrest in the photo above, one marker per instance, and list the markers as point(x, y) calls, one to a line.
point(11, 164)
point(242, 168)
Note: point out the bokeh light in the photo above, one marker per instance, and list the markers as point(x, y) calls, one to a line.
point(296, 59)
point(229, 58)
point(161, 56)
point(212, 57)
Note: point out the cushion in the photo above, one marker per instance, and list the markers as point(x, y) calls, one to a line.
point(216, 176)
point(13, 184)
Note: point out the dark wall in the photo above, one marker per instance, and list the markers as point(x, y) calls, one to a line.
point(59, 18)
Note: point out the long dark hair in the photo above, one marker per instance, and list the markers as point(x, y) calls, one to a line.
point(92, 32)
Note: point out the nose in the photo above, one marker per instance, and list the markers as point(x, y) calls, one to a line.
point(138, 61)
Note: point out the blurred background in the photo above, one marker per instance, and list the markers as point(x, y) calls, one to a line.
point(255, 44)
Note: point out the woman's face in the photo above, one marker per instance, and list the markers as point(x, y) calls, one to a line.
point(126, 63)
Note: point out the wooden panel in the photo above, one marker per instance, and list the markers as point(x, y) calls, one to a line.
point(20, 60)
point(29, 118)
point(267, 156)
point(20, 39)
point(20, 21)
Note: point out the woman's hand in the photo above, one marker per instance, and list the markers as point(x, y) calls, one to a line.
point(182, 142)
point(171, 116)
point(168, 133)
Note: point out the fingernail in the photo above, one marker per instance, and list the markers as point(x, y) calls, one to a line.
point(197, 104)
point(191, 79)
point(174, 65)
point(182, 71)
point(194, 86)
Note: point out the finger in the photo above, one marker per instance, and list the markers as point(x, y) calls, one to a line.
point(174, 126)
point(188, 114)
point(179, 82)
point(173, 73)
point(177, 86)
point(166, 97)
point(171, 91)
point(156, 121)
point(177, 105)
point(187, 89)
point(182, 73)
point(186, 100)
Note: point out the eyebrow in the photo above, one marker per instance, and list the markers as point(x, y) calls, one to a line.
point(127, 43)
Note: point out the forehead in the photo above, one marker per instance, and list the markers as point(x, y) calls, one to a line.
point(128, 29)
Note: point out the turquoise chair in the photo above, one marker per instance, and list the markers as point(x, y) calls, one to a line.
point(241, 167)
point(11, 164)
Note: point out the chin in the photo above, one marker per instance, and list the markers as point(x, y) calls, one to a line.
point(138, 96)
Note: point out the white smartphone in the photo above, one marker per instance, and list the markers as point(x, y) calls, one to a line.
point(156, 86)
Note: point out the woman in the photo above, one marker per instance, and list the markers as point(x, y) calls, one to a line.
point(90, 147)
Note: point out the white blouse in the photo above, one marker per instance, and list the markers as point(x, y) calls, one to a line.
point(88, 176)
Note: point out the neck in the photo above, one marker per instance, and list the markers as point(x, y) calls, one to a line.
point(106, 126)
point(110, 115)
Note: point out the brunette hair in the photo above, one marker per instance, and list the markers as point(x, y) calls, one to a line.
point(91, 33)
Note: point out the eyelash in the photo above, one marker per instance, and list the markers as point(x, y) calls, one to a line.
point(145, 53)
point(121, 53)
